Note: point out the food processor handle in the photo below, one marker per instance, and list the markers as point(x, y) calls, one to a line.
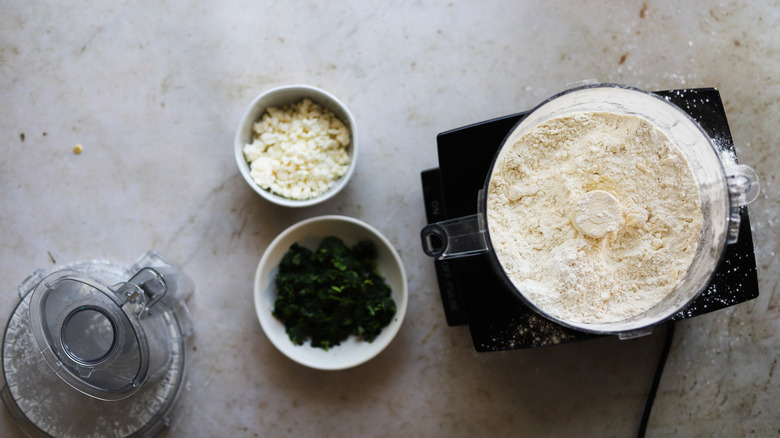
point(179, 287)
point(460, 237)
point(148, 283)
point(744, 188)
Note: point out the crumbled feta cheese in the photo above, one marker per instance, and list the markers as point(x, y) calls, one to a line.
point(298, 151)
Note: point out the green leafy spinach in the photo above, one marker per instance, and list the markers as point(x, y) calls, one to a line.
point(331, 293)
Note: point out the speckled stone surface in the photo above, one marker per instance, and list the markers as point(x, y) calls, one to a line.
point(153, 91)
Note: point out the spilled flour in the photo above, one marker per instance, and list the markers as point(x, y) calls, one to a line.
point(642, 249)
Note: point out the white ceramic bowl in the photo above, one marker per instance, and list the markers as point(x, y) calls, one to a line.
point(309, 233)
point(279, 97)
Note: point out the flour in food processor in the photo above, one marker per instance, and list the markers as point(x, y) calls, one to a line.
point(595, 216)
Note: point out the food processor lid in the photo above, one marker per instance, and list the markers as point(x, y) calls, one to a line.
point(90, 334)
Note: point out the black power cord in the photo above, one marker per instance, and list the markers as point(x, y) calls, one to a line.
point(659, 370)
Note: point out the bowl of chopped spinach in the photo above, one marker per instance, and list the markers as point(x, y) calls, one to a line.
point(330, 292)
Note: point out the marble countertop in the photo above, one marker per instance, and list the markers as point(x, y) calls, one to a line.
point(153, 91)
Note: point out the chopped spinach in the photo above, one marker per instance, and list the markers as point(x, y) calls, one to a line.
point(331, 293)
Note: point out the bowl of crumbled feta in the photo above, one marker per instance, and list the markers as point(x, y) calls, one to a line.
point(296, 145)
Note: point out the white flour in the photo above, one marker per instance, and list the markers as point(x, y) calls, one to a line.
point(535, 187)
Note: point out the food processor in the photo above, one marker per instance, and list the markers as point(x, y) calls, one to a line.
point(97, 349)
point(726, 188)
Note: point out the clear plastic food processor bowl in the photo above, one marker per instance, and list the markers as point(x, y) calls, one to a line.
point(724, 189)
